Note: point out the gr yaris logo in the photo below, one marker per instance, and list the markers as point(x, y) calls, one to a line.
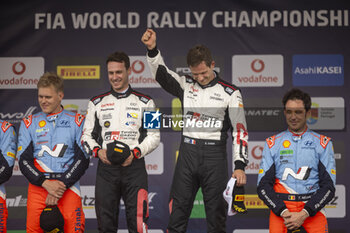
point(318, 70)
point(151, 119)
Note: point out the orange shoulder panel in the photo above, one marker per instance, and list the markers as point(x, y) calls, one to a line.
point(5, 125)
point(271, 141)
point(324, 140)
point(28, 120)
point(79, 119)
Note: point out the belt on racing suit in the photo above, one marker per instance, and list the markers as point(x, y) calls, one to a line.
point(202, 142)
point(53, 175)
point(294, 197)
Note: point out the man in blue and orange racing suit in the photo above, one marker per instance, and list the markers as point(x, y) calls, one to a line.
point(51, 157)
point(297, 172)
point(8, 145)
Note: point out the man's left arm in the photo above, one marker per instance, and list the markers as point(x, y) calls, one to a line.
point(8, 147)
point(326, 191)
point(239, 136)
point(81, 160)
point(151, 137)
point(326, 174)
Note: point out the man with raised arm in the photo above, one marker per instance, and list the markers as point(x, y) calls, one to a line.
point(202, 160)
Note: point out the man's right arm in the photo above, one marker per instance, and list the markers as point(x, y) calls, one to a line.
point(266, 181)
point(8, 147)
point(25, 154)
point(91, 132)
point(169, 80)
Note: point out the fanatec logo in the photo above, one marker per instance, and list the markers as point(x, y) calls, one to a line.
point(262, 112)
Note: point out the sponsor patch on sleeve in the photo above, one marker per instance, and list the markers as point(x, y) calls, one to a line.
point(10, 154)
point(271, 141)
point(28, 121)
point(324, 141)
point(5, 126)
point(79, 119)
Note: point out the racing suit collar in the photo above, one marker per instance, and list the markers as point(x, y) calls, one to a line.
point(53, 116)
point(298, 134)
point(122, 95)
point(212, 82)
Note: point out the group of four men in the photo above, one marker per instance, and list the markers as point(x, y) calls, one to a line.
point(296, 179)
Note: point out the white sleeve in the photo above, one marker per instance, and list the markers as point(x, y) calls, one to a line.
point(89, 132)
point(239, 132)
point(154, 63)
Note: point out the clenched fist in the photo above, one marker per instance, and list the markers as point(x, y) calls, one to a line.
point(149, 39)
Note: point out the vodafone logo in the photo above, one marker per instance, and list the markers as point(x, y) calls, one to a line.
point(137, 67)
point(257, 65)
point(140, 75)
point(18, 68)
point(257, 152)
point(20, 72)
point(257, 70)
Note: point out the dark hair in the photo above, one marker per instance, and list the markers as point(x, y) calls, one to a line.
point(297, 94)
point(51, 79)
point(198, 54)
point(119, 57)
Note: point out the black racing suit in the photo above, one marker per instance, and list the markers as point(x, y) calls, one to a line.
point(115, 116)
point(202, 160)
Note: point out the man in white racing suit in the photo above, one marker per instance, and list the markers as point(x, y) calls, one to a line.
point(211, 107)
point(117, 115)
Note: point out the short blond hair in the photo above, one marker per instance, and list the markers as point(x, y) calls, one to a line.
point(51, 79)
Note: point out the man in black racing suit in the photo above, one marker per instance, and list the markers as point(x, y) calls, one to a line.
point(117, 115)
point(206, 100)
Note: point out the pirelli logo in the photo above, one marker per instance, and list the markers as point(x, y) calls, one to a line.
point(79, 72)
point(118, 150)
point(239, 198)
point(252, 201)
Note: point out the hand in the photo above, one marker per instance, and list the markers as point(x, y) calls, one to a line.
point(295, 220)
point(102, 154)
point(286, 215)
point(149, 39)
point(54, 187)
point(51, 200)
point(128, 161)
point(241, 178)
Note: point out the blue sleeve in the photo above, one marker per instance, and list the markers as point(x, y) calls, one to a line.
point(327, 175)
point(81, 160)
point(8, 147)
point(266, 181)
point(25, 155)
